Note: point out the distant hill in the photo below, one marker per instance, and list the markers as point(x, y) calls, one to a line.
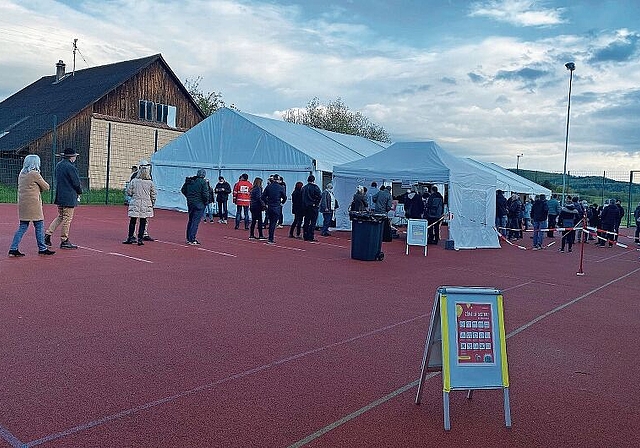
point(592, 188)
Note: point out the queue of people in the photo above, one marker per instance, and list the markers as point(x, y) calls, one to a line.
point(252, 200)
point(547, 215)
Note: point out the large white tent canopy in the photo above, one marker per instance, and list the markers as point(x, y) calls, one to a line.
point(230, 143)
point(471, 190)
point(510, 182)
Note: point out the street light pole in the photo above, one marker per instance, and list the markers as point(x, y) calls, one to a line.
point(571, 67)
point(518, 163)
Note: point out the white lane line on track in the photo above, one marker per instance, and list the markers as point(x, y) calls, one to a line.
point(265, 243)
point(171, 243)
point(225, 254)
point(91, 249)
point(213, 384)
point(130, 257)
point(311, 437)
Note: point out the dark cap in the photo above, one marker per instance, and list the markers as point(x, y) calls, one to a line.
point(68, 152)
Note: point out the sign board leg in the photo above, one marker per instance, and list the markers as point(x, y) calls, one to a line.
point(507, 408)
point(469, 394)
point(445, 406)
point(406, 251)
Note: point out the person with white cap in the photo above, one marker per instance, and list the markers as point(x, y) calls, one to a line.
point(30, 188)
point(68, 191)
point(328, 206)
point(143, 164)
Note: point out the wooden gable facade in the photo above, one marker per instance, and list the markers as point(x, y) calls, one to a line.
point(143, 100)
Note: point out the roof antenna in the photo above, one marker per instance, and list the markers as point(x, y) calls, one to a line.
point(75, 47)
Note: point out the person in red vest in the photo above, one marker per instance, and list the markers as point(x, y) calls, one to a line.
point(242, 199)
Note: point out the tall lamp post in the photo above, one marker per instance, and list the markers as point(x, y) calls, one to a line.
point(571, 67)
point(518, 163)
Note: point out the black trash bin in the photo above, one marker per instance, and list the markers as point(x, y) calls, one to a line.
point(366, 236)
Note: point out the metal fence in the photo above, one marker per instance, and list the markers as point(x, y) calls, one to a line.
point(594, 187)
point(108, 149)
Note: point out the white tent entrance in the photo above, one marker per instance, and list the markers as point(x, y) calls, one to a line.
point(471, 190)
point(230, 143)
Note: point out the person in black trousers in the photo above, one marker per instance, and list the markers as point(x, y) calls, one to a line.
point(297, 208)
point(311, 196)
point(273, 195)
point(256, 207)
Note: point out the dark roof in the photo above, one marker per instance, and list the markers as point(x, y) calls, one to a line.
point(28, 114)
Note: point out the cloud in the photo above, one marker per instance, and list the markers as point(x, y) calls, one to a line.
point(517, 12)
point(624, 48)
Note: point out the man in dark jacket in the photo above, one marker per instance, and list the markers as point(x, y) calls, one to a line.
point(274, 196)
point(311, 196)
point(433, 211)
point(621, 212)
point(222, 192)
point(608, 219)
point(68, 191)
point(501, 212)
point(539, 216)
point(196, 191)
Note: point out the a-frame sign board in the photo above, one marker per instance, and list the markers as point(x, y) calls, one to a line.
point(417, 233)
point(467, 342)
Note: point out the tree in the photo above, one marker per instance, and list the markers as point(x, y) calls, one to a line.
point(209, 102)
point(336, 117)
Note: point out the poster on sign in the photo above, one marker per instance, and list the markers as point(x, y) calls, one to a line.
point(467, 342)
point(416, 234)
point(474, 338)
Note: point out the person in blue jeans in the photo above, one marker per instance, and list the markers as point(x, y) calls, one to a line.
point(539, 215)
point(197, 193)
point(30, 186)
point(328, 206)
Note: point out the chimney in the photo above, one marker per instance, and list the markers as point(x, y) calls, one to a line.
point(60, 70)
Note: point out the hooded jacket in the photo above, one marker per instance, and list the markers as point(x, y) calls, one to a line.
point(196, 191)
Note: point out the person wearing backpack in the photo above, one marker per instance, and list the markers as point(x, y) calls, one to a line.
point(434, 211)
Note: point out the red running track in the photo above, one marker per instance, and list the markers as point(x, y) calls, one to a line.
point(240, 344)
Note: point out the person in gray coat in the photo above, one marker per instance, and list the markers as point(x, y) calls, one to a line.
point(143, 198)
point(68, 191)
point(383, 201)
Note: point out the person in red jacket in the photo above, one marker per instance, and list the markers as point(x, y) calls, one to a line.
point(242, 199)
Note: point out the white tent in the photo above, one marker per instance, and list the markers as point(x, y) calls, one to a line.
point(230, 143)
point(510, 182)
point(472, 199)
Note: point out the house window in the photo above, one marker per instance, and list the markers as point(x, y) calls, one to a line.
point(162, 113)
point(166, 114)
point(146, 110)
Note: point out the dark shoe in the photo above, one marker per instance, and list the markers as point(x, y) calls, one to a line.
point(46, 252)
point(47, 240)
point(271, 242)
point(15, 253)
point(129, 240)
point(246, 228)
point(67, 245)
point(262, 238)
point(148, 238)
point(251, 237)
point(140, 242)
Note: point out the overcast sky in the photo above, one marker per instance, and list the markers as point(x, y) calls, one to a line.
point(484, 79)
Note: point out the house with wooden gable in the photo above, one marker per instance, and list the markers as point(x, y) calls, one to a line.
point(112, 115)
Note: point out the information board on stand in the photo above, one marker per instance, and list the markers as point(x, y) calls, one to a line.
point(467, 342)
point(417, 234)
